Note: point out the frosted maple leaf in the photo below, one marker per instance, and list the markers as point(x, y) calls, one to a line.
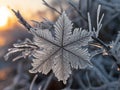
point(60, 53)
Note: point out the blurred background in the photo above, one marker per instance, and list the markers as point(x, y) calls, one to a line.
point(15, 75)
point(10, 29)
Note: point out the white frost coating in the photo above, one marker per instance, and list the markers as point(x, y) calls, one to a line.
point(59, 53)
point(62, 52)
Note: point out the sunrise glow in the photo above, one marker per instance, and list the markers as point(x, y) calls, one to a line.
point(4, 15)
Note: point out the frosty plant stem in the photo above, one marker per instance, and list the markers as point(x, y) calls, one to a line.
point(22, 20)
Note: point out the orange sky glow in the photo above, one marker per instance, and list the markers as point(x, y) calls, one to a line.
point(28, 8)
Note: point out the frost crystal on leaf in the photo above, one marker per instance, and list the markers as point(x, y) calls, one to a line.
point(60, 53)
point(25, 49)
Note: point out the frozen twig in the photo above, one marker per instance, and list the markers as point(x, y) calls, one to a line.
point(22, 20)
point(101, 43)
point(99, 20)
point(33, 81)
point(45, 3)
point(78, 11)
point(89, 22)
point(48, 81)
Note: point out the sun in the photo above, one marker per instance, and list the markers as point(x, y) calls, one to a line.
point(4, 15)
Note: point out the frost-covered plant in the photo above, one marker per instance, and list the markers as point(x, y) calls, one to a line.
point(59, 53)
point(62, 49)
